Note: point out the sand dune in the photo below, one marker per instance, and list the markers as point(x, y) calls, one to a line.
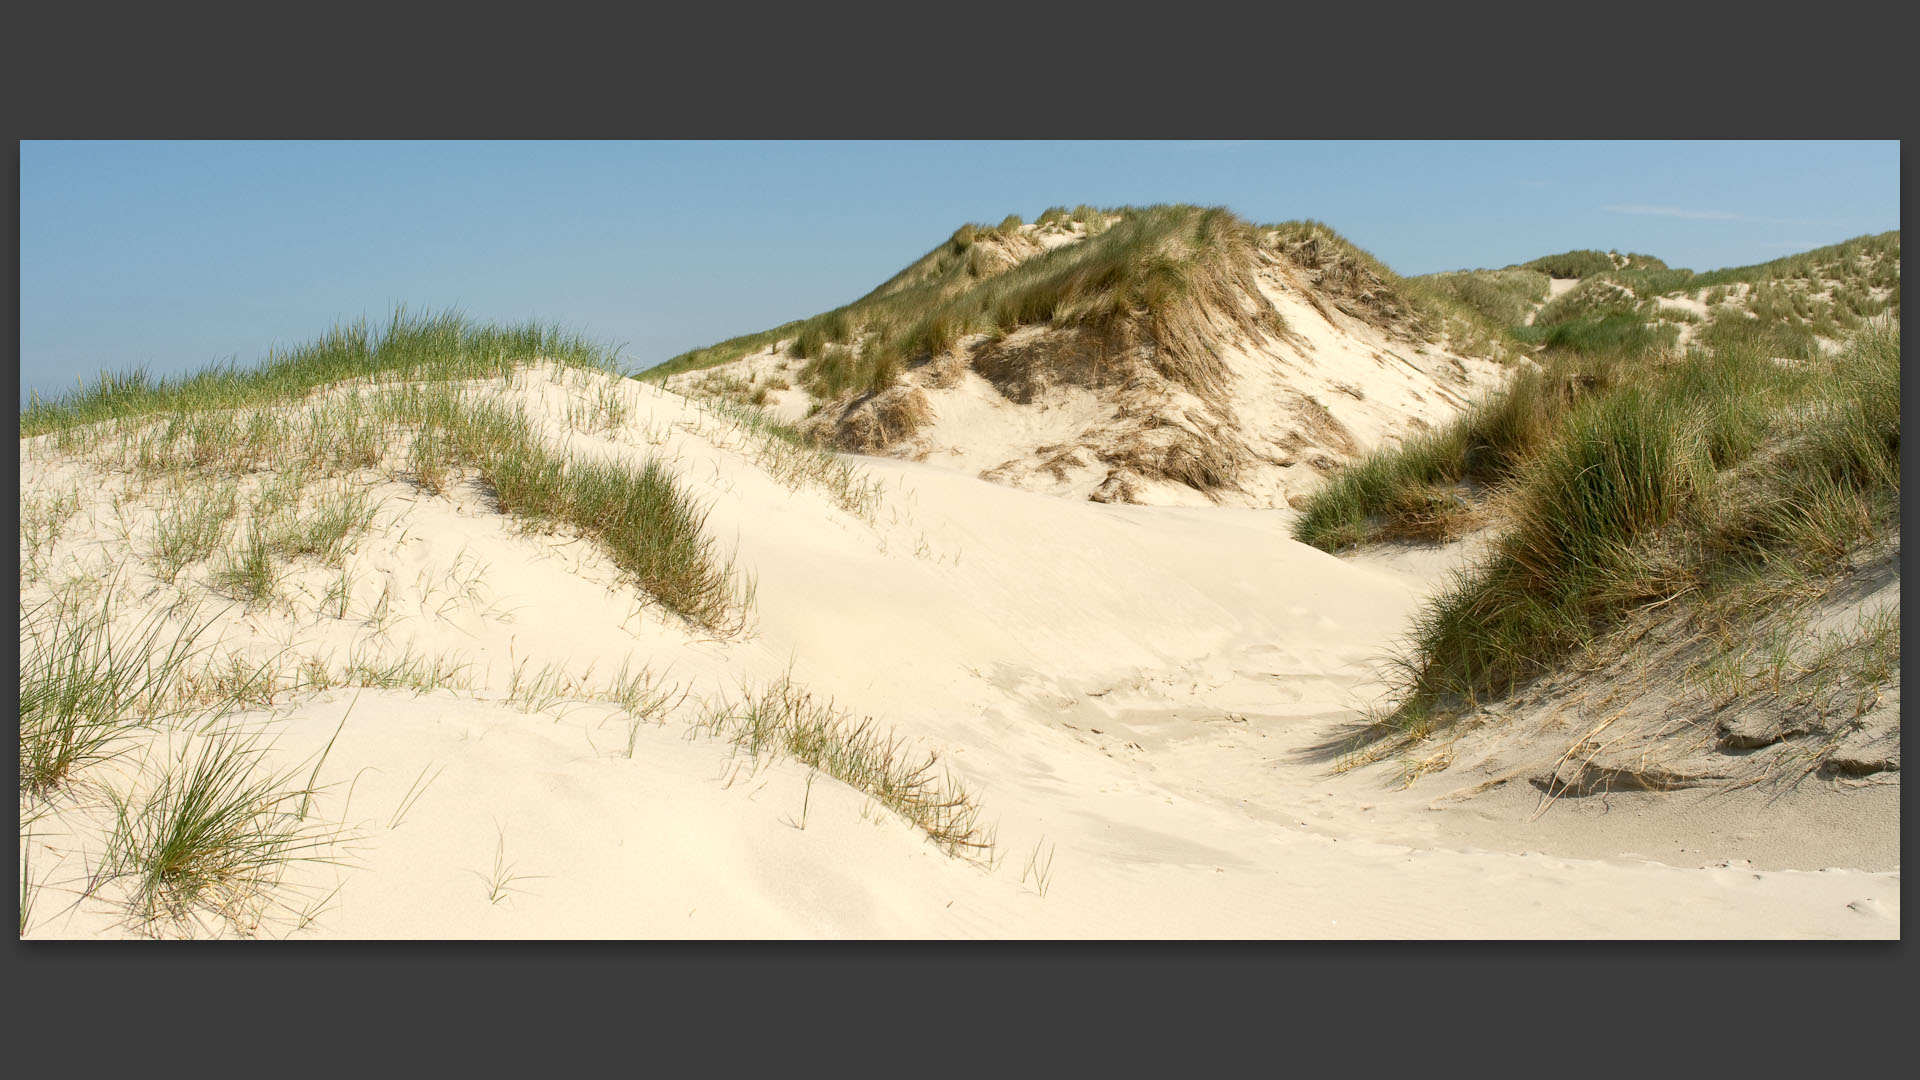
point(1134, 695)
point(1288, 356)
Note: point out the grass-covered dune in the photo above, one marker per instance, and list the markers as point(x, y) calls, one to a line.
point(962, 259)
point(1723, 471)
point(220, 424)
point(1823, 293)
point(420, 346)
point(431, 630)
point(1361, 285)
point(172, 521)
point(1137, 269)
point(1622, 473)
point(1164, 275)
point(1586, 262)
point(1503, 296)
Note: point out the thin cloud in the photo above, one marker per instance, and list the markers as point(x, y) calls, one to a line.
point(1712, 215)
point(1805, 221)
point(1673, 211)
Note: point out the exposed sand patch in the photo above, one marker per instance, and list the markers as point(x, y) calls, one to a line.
point(1692, 304)
point(1695, 311)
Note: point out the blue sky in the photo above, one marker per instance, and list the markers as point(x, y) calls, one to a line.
point(174, 255)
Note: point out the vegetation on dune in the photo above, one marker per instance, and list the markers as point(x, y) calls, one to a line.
point(1629, 478)
point(1502, 296)
point(1657, 489)
point(1154, 274)
point(1340, 267)
point(1161, 285)
point(402, 403)
point(253, 470)
point(1133, 276)
point(1600, 330)
point(1624, 473)
point(950, 266)
point(215, 831)
point(1365, 288)
point(1599, 338)
point(639, 516)
point(1570, 264)
point(1142, 274)
point(1416, 491)
point(1869, 260)
point(1587, 262)
point(1822, 293)
point(795, 455)
point(1592, 339)
point(961, 259)
point(79, 689)
point(784, 719)
point(424, 347)
point(727, 351)
point(210, 833)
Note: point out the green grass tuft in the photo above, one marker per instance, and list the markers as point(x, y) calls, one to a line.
point(782, 718)
point(192, 529)
point(1572, 264)
point(1663, 486)
point(442, 348)
point(1502, 296)
point(81, 687)
point(639, 516)
point(329, 529)
point(252, 572)
point(215, 831)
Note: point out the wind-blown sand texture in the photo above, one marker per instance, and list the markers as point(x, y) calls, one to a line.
point(1137, 697)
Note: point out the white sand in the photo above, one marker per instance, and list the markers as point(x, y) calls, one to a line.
point(1135, 690)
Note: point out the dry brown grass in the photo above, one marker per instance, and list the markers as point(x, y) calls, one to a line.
point(1200, 457)
point(1347, 278)
point(1025, 364)
point(867, 423)
point(1324, 430)
point(1431, 515)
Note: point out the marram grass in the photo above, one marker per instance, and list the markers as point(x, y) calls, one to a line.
point(421, 347)
point(225, 423)
point(1716, 466)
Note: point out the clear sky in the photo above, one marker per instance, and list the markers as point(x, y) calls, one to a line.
point(174, 255)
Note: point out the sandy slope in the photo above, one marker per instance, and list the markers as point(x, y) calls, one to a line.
point(1135, 691)
point(1334, 388)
